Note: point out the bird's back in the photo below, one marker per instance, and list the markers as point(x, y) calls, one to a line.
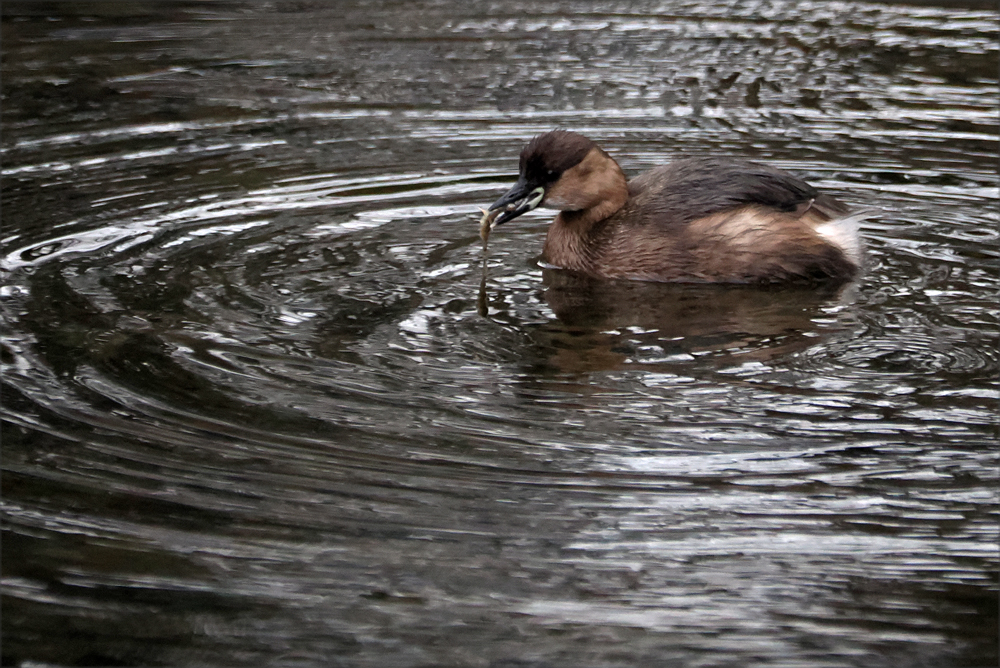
point(723, 220)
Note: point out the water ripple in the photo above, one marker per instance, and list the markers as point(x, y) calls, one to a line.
point(264, 405)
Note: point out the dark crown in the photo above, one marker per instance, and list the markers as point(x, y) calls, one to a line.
point(548, 155)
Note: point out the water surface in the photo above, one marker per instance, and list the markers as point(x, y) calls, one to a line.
point(259, 409)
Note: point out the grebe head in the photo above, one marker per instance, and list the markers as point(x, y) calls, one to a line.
point(561, 170)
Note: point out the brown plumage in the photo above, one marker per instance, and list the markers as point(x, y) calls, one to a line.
point(704, 220)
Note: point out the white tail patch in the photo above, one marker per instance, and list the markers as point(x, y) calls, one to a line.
point(843, 233)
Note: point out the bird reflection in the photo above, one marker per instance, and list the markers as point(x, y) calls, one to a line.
point(605, 325)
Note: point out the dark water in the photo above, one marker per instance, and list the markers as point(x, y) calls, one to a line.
point(253, 415)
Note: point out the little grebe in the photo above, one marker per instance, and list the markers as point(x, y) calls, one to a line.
point(701, 219)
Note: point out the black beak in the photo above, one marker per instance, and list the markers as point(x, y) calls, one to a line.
point(521, 198)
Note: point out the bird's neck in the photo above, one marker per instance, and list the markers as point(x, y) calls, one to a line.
point(583, 220)
point(586, 195)
point(570, 242)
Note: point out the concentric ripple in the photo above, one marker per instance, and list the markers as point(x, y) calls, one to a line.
point(267, 401)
